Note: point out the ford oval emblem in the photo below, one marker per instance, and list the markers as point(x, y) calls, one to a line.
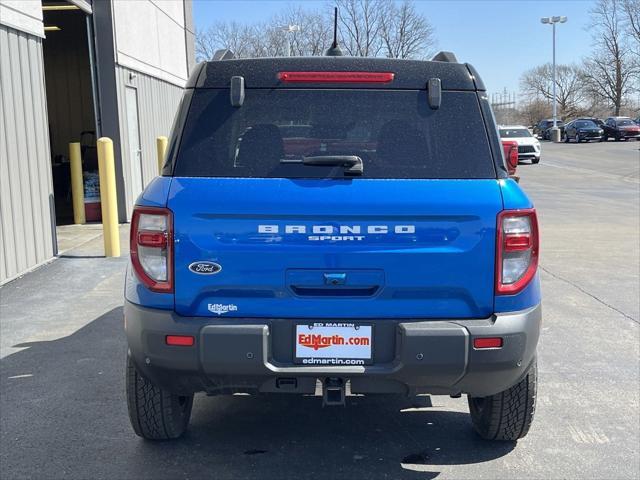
point(205, 268)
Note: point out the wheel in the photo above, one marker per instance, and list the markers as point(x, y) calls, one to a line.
point(155, 414)
point(566, 138)
point(617, 138)
point(578, 138)
point(506, 415)
point(535, 160)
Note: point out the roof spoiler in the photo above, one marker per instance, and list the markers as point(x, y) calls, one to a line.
point(223, 54)
point(443, 56)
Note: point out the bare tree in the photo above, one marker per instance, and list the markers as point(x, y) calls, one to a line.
point(632, 12)
point(238, 38)
point(315, 33)
point(611, 71)
point(406, 33)
point(360, 24)
point(570, 91)
point(367, 28)
point(535, 110)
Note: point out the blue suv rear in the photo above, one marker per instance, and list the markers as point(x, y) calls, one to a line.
point(333, 226)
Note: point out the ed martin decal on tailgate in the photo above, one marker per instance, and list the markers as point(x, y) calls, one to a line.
point(219, 308)
point(340, 233)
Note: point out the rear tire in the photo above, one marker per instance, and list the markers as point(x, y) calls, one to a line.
point(506, 415)
point(535, 160)
point(155, 414)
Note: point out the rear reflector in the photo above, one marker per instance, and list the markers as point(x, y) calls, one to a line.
point(180, 340)
point(487, 342)
point(336, 77)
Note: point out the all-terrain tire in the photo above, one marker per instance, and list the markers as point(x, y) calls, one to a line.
point(155, 414)
point(506, 415)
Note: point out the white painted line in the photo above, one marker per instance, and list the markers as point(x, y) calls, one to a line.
point(592, 172)
point(26, 375)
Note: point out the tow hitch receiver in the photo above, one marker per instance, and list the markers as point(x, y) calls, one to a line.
point(333, 392)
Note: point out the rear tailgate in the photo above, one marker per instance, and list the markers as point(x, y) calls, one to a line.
point(363, 248)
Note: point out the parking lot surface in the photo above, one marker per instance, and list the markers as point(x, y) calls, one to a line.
point(63, 410)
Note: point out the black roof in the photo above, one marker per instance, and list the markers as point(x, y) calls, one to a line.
point(263, 72)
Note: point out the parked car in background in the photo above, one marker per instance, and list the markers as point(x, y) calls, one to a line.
point(528, 145)
point(598, 121)
point(582, 130)
point(621, 128)
point(637, 120)
point(543, 128)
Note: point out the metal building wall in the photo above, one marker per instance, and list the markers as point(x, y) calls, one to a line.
point(157, 105)
point(26, 191)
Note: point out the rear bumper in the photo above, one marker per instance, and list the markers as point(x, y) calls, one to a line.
point(410, 356)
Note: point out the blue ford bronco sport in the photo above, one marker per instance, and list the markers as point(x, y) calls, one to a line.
point(333, 225)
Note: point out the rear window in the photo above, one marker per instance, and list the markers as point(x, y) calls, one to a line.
point(394, 132)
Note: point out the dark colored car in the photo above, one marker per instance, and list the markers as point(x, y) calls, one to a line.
point(621, 128)
point(582, 130)
point(543, 128)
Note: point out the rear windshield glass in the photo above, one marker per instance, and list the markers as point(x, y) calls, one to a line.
point(585, 124)
point(514, 133)
point(394, 132)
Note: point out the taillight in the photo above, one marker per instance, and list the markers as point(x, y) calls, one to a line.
point(151, 246)
point(510, 148)
point(517, 250)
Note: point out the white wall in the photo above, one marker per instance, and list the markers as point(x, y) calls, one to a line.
point(150, 38)
point(23, 15)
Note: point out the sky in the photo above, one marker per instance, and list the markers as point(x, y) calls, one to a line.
point(501, 38)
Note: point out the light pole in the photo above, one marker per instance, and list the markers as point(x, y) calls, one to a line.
point(289, 29)
point(555, 132)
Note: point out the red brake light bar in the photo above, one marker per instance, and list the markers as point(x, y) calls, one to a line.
point(336, 77)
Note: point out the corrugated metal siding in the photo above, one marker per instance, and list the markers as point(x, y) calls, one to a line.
point(157, 105)
point(25, 166)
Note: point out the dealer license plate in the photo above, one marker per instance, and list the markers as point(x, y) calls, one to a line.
point(333, 343)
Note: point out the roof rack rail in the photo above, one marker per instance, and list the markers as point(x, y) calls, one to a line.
point(444, 56)
point(223, 54)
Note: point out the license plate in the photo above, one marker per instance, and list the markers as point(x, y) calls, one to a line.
point(333, 344)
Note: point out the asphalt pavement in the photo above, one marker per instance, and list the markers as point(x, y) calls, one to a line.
point(62, 349)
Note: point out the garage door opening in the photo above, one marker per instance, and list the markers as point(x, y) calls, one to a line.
point(70, 105)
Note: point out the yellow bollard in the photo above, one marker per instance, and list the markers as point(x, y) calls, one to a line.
point(161, 146)
point(108, 199)
point(77, 184)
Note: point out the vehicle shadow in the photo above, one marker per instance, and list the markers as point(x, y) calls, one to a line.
point(63, 414)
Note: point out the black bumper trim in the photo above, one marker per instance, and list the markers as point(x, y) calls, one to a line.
point(425, 356)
